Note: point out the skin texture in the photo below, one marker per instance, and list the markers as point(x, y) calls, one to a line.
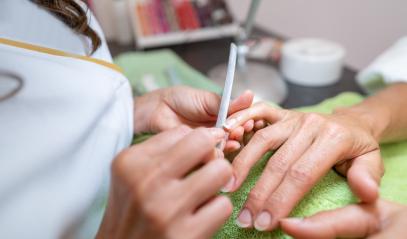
point(307, 146)
point(168, 191)
point(379, 220)
point(165, 191)
point(171, 107)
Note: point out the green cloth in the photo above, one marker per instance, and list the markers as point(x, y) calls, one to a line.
point(157, 63)
point(331, 192)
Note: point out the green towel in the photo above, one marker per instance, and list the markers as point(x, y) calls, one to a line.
point(157, 63)
point(331, 192)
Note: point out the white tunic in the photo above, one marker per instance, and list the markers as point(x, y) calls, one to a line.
point(60, 132)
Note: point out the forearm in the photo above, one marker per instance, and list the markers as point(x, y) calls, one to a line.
point(384, 113)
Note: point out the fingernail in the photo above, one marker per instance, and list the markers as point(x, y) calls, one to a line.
point(263, 221)
point(293, 220)
point(229, 186)
point(229, 123)
point(245, 219)
point(218, 133)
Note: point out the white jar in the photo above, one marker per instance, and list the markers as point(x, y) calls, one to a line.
point(312, 62)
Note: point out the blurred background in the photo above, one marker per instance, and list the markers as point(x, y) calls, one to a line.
point(198, 33)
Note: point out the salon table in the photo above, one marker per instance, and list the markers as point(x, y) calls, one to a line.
point(203, 56)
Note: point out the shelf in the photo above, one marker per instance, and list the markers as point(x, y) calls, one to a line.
point(179, 37)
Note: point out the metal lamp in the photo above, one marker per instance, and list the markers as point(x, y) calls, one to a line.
point(263, 79)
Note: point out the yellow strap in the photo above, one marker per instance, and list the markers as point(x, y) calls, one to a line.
point(55, 52)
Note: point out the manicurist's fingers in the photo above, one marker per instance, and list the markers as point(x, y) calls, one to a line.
point(204, 183)
point(213, 215)
point(355, 221)
point(192, 150)
point(162, 142)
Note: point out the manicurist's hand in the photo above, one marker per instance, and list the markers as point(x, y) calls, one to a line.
point(379, 220)
point(168, 108)
point(307, 146)
point(167, 187)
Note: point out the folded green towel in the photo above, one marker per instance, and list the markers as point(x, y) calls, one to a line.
point(331, 192)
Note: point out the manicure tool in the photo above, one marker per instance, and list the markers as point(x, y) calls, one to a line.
point(227, 92)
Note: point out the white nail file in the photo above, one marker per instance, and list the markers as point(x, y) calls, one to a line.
point(227, 91)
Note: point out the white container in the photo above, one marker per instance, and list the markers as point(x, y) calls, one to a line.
point(312, 62)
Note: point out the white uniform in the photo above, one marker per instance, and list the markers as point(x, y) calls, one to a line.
point(60, 132)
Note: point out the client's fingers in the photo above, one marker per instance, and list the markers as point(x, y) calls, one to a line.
point(231, 146)
point(275, 171)
point(259, 111)
point(297, 182)
point(259, 124)
point(355, 221)
point(237, 134)
point(365, 174)
point(248, 126)
point(264, 140)
point(244, 101)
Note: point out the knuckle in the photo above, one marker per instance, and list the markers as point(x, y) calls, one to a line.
point(336, 131)
point(121, 162)
point(156, 216)
point(256, 198)
point(312, 118)
point(277, 198)
point(301, 175)
point(277, 166)
point(261, 136)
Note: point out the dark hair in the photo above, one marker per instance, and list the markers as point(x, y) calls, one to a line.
point(73, 15)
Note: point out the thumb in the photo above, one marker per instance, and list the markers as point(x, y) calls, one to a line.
point(352, 221)
point(364, 176)
point(211, 102)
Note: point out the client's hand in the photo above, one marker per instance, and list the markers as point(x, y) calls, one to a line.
point(307, 146)
point(168, 108)
point(380, 220)
point(167, 187)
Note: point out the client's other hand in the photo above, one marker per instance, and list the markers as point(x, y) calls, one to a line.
point(167, 187)
point(379, 220)
point(307, 146)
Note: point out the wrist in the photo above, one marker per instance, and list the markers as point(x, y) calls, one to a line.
point(375, 118)
point(144, 108)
